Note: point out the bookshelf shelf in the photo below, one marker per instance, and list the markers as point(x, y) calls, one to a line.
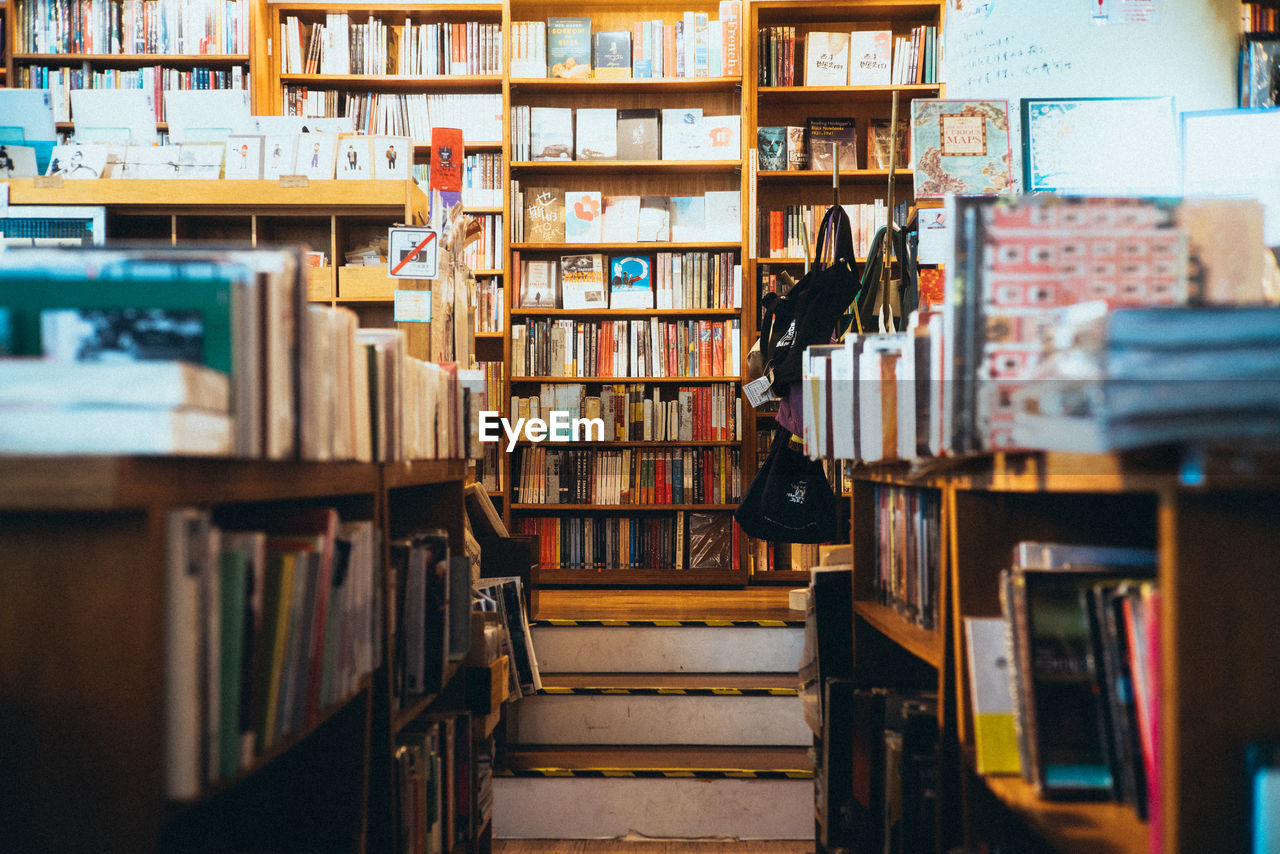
point(134, 58)
point(408, 714)
point(922, 643)
point(809, 176)
point(624, 247)
point(845, 94)
point(609, 167)
point(396, 82)
point(640, 444)
point(798, 11)
point(486, 335)
point(1073, 828)
point(551, 379)
point(482, 209)
point(243, 195)
point(633, 507)
point(478, 145)
point(673, 85)
point(626, 312)
point(489, 10)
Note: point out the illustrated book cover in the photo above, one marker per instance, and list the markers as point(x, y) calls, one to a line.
point(961, 147)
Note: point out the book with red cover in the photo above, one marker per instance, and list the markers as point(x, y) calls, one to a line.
point(446, 164)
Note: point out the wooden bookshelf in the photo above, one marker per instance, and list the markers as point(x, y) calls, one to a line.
point(85, 545)
point(532, 86)
point(132, 59)
point(607, 167)
point(398, 82)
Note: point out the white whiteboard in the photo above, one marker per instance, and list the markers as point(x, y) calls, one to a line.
point(1014, 49)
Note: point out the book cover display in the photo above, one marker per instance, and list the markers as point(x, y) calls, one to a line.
point(825, 132)
point(582, 282)
point(870, 56)
point(682, 134)
point(826, 59)
point(551, 133)
point(621, 219)
point(655, 220)
point(537, 285)
point(771, 149)
point(721, 137)
point(316, 152)
point(569, 47)
point(597, 137)
point(961, 147)
point(630, 285)
point(878, 144)
point(797, 154)
point(638, 134)
point(582, 220)
point(244, 157)
point(612, 56)
point(544, 215)
point(353, 159)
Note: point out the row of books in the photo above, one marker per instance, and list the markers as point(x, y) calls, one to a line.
point(61, 82)
point(291, 380)
point(693, 45)
point(478, 116)
point(676, 541)
point(628, 476)
point(481, 180)
point(607, 133)
point(133, 27)
point(1014, 359)
point(674, 280)
point(791, 232)
point(486, 251)
point(273, 617)
point(859, 58)
point(432, 605)
point(908, 552)
point(552, 215)
point(1259, 18)
point(436, 766)
point(340, 46)
point(505, 607)
point(624, 349)
point(794, 147)
point(633, 413)
point(1080, 626)
point(490, 304)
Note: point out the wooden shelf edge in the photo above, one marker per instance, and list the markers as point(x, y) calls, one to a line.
point(641, 578)
point(637, 247)
point(423, 472)
point(1073, 827)
point(644, 507)
point(420, 703)
point(624, 380)
point(627, 312)
point(924, 644)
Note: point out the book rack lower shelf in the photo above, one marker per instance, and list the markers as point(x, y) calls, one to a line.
point(924, 644)
point(627, 577)
point(419, 703)
point(279, 748)
point(1073, 827)
point(638, 507)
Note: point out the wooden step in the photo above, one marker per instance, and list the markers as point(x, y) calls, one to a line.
point(676, 684)
point(794, 763)
point(701, 648)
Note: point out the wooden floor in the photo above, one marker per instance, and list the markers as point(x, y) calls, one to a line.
point(752, 603)
point(621, 846)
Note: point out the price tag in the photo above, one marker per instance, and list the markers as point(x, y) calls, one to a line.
point(48, 182)
point(759, 392)
point(296, 181)
point(413, 307)
point(412, 253)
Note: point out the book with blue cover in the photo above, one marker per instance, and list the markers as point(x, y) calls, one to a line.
point(630, 283)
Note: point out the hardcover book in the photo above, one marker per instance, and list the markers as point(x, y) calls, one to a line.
point(544, 215)
point(612, 55)
point(797, 157)
point(582, 282)
point(630, 285)
point(638, 134)
point(826, 59)
point(682, 134)
point(551, 133)
point(823, 133)
point(582, 219)
point(621, 219)
point(655, 220)
point(597, 137)
point(771, 149)
point(721, 137)
point(961, 147)
point(870, 57)
point(569, 47)
point(537, 285)
point(878, 144)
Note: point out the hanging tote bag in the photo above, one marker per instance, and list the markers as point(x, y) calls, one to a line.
point(790, 500)
point(886, 310)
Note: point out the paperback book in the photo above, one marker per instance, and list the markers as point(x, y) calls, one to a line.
point(655, 220)
point(823, 134)
point(551, 133)
point(569, 47)
point(870, 57)
point(621, 219)
point(682, 134)
point(630, 285)
point(582, 282)
point(612, 55)
point(826, 59)
point(771, 149)
point(961, 147)
point(582, 217)
point(597, 137)
point(544, 215)
point(638, 134)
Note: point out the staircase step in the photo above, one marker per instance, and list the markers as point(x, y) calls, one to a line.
point(657, 792)
point(744, 763)
point(604, 717)
point(691, 684)
point(701, 647)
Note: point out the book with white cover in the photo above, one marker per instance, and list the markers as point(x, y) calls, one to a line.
point(315, 156)
point(78, 161)
point(149, 383)
point(392, 157)
point(244, 157)
point(280, 153)
point(826, 59)
point(723, 215)
point(353, 158)
point(206, 115)
point(688, 219)
point(40, 429)
point(721, 137)
point(682, 134)
point(551, 133)
point(870, 57)
point(114, 115)
point(597, 136)
point(621, 219)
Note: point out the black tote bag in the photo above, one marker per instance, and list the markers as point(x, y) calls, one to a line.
point(790, 500)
